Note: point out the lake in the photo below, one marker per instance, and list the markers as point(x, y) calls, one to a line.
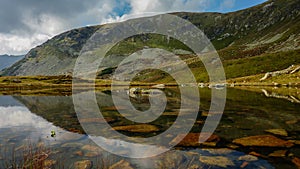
point(29, 121)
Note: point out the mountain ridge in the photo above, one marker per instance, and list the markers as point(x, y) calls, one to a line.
point(271, 27)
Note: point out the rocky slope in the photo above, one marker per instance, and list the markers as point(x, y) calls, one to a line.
point(267, 29)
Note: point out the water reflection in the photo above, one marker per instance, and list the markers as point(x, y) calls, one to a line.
point(25, 118)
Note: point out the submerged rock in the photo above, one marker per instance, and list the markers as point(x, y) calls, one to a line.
point(296, 161)
point(91, 148)
point(192, 140)
point(278, 153)
point(263, 141)
point(248, 158)
point(121, 165)
point(279, 132)
point(219, 161)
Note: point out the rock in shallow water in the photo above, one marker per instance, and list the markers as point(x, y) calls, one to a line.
point(216, 161)
point(296, 161)
point(278, 153)
point(121, 165)
point(192, 139)
point(248, 158)
point(263, 141)
point(279, 132)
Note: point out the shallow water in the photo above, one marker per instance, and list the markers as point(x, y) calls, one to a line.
point(30, 120)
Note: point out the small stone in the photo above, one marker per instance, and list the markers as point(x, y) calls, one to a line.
point(263, 141)
point(296, 161)
point(85, 164)
point(121, 165)
point(248, 158)
point(278, 153)
point(279, 132)
point(219, 161)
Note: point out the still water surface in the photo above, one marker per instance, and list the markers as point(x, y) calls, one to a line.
point(30, 120)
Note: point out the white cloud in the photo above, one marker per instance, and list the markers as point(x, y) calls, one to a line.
point(19, 44)
point(141, 8)
point(33, 26)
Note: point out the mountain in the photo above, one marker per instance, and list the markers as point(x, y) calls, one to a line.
point(256, 40)
point(8, 60)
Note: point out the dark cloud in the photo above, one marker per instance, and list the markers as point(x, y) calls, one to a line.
point(13, 12)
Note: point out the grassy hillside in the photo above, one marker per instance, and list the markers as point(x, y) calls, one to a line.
point(252, 41)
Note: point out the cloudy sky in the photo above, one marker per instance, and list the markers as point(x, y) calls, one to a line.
point(25, 24)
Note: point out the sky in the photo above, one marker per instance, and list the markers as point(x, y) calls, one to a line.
point(25, 24)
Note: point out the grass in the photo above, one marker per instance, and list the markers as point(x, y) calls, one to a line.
point(38, 156)
point(235, 68)
point(29, 157)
